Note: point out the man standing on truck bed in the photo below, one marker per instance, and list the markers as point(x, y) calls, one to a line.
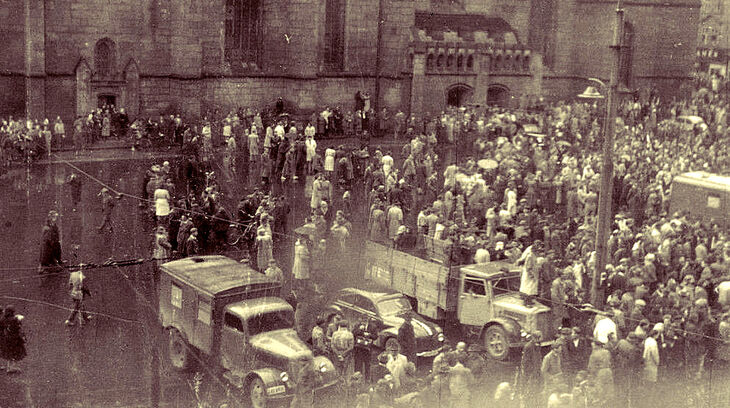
point(529, 277)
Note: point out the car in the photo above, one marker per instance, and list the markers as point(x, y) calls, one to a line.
point(384, 313)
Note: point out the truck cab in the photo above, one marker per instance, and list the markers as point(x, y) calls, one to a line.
point(490, 306)
point(223, 312)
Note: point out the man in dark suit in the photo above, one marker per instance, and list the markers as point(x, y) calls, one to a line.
point(577, 352)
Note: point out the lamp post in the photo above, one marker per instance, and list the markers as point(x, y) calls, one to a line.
point(605, 214)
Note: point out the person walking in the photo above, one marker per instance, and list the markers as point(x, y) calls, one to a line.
point(12, 344)
point(50, 257)
point(78, 292)
point(529, 380)
point(107, 206)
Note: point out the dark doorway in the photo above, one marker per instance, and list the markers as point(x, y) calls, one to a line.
point(459, 95)
point(497, 95)
point(107, 100)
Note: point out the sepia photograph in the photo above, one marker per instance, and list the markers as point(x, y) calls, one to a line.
point(364, 204)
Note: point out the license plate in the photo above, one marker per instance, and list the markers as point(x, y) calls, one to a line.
point(279, 389)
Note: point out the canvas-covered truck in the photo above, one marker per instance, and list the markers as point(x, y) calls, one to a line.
point(228, 316)
point(482, 298)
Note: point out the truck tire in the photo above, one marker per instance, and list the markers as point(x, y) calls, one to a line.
point(496, 342)
point(257, 393)
point(179, 351)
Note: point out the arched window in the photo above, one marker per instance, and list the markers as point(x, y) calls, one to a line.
point(440, 61)
point(243, 31)
point(104, 58)
point(470, 62)
point(526, 63)
point(450, 61)
point(429, 61)
point(460, 62)
point(334, 35)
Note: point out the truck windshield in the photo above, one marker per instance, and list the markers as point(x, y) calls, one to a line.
point(392, 307)
point(270, 321)
point(506, 285)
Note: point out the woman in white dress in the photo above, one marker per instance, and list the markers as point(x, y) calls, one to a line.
point(162, 204)
point(329, 161)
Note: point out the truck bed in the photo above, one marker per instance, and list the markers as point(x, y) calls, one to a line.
point(431, 283)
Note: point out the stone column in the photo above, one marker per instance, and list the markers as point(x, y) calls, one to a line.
point(83, 88)
point(35, 59)
point(536, 72)
point(481, 83)
point(418, 81)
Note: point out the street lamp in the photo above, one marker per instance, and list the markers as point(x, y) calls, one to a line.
point(605, 214)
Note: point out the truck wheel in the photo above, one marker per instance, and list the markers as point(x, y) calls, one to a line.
point(257, 393)
point(179, 351)
point(496, 343)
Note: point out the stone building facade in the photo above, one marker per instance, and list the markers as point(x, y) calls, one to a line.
point(65, 57)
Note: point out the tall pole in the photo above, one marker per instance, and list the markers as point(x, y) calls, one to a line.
point(605, 213)
point(379, 57)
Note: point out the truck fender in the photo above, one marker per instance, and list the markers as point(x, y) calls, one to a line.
point(512, 328)
point(384, 335)
point(269, 375)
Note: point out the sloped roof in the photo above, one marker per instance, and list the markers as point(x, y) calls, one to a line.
point(464, 24)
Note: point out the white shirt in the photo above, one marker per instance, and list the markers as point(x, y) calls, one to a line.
point(604, 328)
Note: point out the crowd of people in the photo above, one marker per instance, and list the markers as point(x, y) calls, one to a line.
point(502, 193)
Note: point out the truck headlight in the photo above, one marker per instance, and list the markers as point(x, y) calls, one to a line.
point(440, 337)
point(322, 367)
point(284, 376)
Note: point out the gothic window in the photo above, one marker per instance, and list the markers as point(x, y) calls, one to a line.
point(440, 61)
point(104, 58)
point(243, 31)
point(450, 61)
point(334, 35)
point(460, 62)
point(470, 63)
point(429, 62)
point(625, 60)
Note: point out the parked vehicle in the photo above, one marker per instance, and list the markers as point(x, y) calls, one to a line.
point(384, 313)
point(690, 123)
point(701, 195)
point(482, 298)
point(226, 314)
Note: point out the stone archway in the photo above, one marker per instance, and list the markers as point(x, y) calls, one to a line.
point(459, 95)
point(498, 94)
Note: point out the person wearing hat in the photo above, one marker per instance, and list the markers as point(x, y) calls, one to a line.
point(529, 376)
point(162, 245)
point(627, 368)
point(637, 313)
point(396, 364)
point(552, 368)
point(107, 206)
point(191, 244)
point(50, 257)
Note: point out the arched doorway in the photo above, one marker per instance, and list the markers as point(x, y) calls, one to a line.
point(497, 95)
point(459, 95)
